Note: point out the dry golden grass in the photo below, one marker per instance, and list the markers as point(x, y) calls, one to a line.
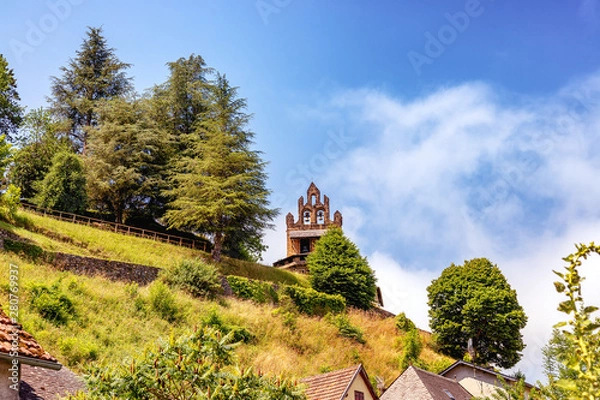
point(114, 321)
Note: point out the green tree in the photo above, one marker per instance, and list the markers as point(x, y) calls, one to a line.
point(579, 352)
point(95, 74)
point(196, 366)
point(180, 102)
point(126, 155)
point(218, 186)
point(39, 141)
point(11, 114)
point(63, 188)
point(474, 301)
point(336, 267)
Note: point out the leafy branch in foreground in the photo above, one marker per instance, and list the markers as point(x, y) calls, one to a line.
point(584, 330)
point(196, 366)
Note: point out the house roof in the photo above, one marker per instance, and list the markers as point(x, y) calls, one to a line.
point(30, 351)
point(334, 385)
point(484, 370)
point(417, 384)
point(46, 384)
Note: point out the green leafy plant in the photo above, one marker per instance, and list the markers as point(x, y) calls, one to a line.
point(581, 331)
point(403, 323)
point(52, 304)
point(312, 302)
point(194, 277)
point(336, 267)
point(260, 292)
point(346, 329)
point(162, 301)
point(238, 333)
point(195, 366)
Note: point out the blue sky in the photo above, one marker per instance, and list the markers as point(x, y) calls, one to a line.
point(442, 130)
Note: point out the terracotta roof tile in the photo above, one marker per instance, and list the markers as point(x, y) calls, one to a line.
point(28, 346)
point(329, 386)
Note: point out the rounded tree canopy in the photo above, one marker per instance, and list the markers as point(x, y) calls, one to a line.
point(336, 267)
point(474, 302)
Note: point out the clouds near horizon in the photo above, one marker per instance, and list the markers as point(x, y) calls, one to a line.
point(470, 171)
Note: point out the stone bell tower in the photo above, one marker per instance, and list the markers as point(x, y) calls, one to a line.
point(314, 217)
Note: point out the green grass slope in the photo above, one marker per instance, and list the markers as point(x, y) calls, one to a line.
point(90, 320)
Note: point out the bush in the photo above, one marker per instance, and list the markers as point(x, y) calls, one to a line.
point(52, 304)
point(162, 301)
point(346, 329)
point(77, 351)
point(404, 324)
point(260, 292)
point(240, 334)
point(312, 302)
point(194, 277)
point(9, 203)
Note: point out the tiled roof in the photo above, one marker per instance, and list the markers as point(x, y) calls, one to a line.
point(417, 384)
point(45, 384)
point(484, 370)
point(330, 386)
point(28, 347)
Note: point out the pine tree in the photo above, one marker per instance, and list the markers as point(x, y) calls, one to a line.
point(95, 74)
point(11, 114)
point(181, 101)
point(219, 184)
point(125, 158)
point(336, 267)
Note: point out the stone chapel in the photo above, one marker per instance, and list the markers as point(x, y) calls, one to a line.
point(314, 217)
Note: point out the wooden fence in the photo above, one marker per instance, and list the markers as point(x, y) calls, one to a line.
point(118, 228)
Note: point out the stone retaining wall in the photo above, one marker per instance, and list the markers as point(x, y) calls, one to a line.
point(113, 270)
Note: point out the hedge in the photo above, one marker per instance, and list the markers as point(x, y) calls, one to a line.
point(311, 302)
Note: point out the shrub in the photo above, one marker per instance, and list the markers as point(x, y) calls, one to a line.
point(52, 304)
point(240, 334)
point(77, 351)
point(411, 348)
point(9, 203)
point(346, 329)
point(260, 292)
point(403, 323)
point(194, 277)
point(312, 302)
point(162, 301)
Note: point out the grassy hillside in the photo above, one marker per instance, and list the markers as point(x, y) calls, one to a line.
point(83, 320)
point(83, 240)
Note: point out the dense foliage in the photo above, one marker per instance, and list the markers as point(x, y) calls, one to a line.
point(180, 156)
point(312, 302)
point(336, 267)
point(11, 113)
point(218, 186)
point(64, 186)
point(94, 75)
point(200, 365)
point(577, 345)
point(474, 301)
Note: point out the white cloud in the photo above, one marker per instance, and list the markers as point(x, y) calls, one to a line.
point(468, 171)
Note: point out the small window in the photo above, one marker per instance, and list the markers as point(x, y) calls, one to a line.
point(304, 246)
point(359, 395)
point(313, 200)
point(306, 217)
point(320, 217)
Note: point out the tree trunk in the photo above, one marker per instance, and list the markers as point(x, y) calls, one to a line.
point(216, 251)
